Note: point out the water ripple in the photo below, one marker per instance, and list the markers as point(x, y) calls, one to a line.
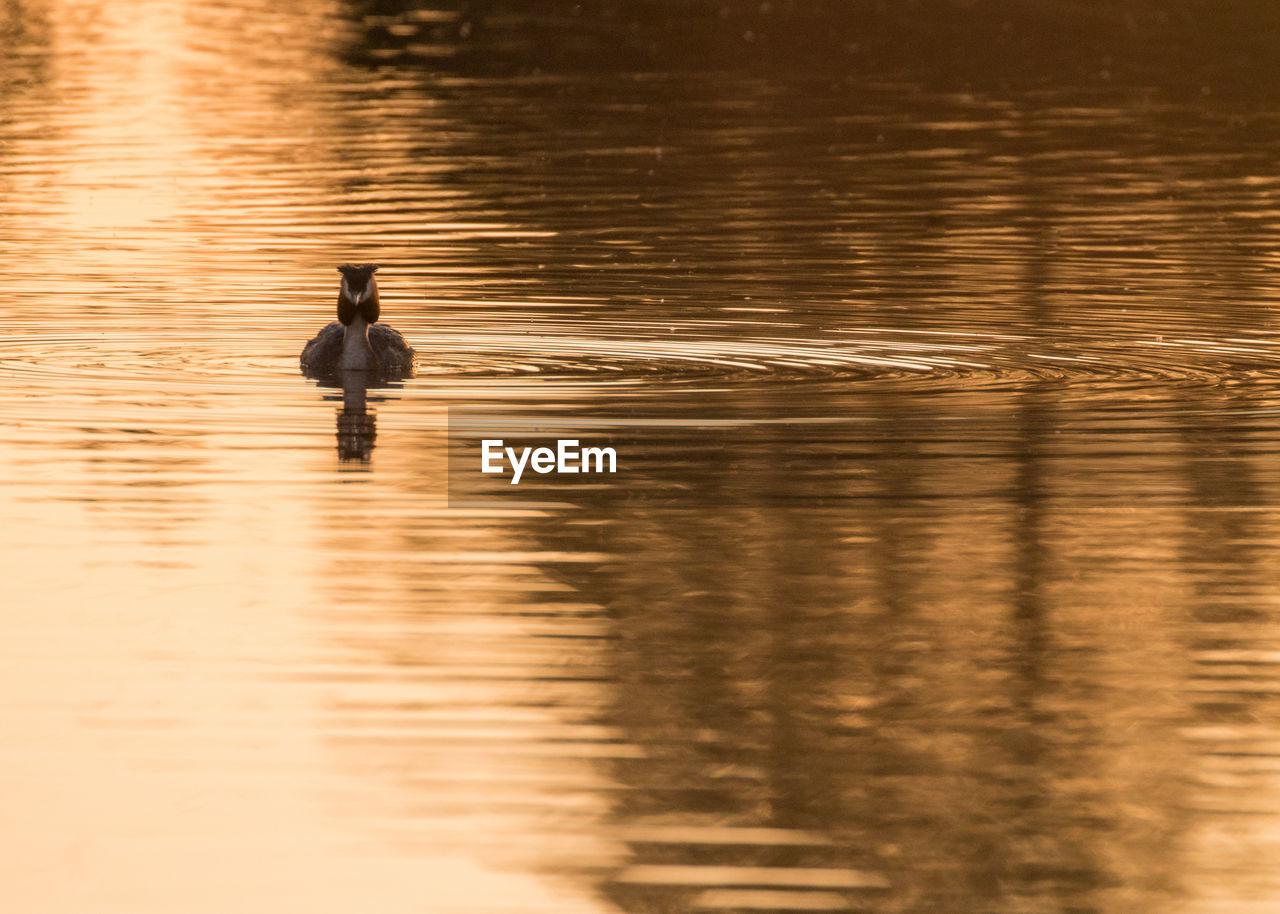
point(606, 356)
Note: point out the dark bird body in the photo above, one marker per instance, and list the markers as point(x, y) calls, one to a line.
point(356, 341)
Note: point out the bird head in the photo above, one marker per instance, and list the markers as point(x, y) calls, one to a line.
point(359, 292)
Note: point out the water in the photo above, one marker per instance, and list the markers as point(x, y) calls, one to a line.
point(941, 574)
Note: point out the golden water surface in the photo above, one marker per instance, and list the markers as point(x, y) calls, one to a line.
point(944, 580)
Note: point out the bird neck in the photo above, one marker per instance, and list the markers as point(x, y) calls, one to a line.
point(357, 353)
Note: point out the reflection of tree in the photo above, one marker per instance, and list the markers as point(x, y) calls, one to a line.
point(24, 74)
point(952, 675)
point(902, 689)
point(962, 43)
point(1228, 556)
point(887, 683)
point(26, 32)
point(664, 171)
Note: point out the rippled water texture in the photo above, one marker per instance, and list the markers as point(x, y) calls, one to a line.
point(941, 576)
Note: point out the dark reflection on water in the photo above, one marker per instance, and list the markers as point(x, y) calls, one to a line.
point(959, 683)
point(947, 584)
point(357, 423)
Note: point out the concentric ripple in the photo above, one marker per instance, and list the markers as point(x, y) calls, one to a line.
point(681, 356)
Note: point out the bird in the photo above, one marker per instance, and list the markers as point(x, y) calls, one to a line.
point(356, 341)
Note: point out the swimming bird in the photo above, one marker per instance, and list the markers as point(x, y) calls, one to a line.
point(356, 341)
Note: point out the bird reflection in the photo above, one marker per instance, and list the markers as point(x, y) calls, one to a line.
point(357, 424)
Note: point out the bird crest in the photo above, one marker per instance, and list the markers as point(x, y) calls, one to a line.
point(357, 275)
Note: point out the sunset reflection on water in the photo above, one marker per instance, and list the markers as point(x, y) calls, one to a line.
point(938, 571)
